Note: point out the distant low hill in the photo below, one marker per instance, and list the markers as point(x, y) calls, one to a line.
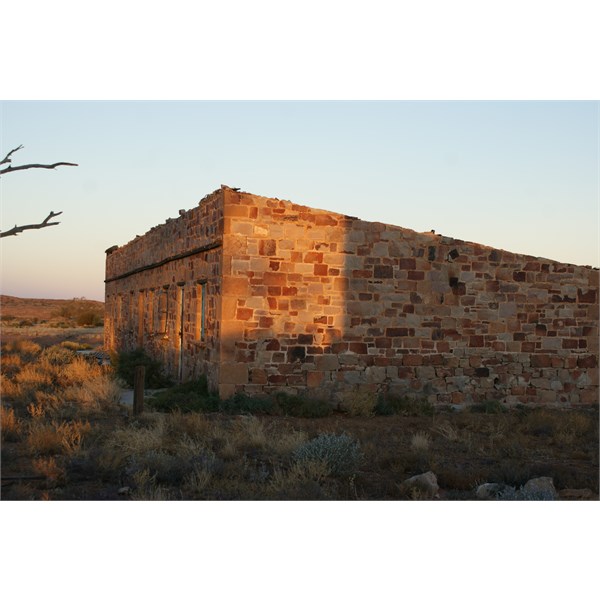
point(39, 310)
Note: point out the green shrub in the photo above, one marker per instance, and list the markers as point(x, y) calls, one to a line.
point(383, 407)
point(254, 405)
point(126, 362)
point(299, 406)
point(489, 407)
point(341, 453)
point(192, 396)
point(401, 405)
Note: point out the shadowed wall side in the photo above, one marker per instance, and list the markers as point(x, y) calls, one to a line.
point(163, 292)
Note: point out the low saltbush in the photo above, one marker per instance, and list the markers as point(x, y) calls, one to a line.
point(192, 396)
point(340, 453)
point(254, 405)
point(299, 406)
point(522, 494)
point(489, 407)
point(401, 405)
point(126, 362)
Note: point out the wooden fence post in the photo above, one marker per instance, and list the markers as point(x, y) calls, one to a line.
point(138, 390)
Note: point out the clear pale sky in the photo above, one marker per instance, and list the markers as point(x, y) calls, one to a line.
point(522, 176)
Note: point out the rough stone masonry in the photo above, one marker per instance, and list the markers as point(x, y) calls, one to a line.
point(263, 295)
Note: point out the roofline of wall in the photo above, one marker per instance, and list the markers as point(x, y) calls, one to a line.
point(167, 260)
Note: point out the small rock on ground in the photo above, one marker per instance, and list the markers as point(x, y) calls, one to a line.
point(420, 487)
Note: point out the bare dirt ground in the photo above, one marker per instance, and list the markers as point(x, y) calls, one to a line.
point(37, 309)
point(49, 336)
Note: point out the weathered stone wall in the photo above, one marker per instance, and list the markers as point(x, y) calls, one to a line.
point(154, 292)
point(308, 301)
point(329, 304)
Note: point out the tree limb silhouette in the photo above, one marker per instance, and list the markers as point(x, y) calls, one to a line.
point(7, 160)
point(19, 228)
point(46, 222)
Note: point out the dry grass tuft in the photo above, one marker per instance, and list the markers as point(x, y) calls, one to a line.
point(284, 443)
point(248, 432)
point(146, 488)
point(10, 425)
point(447, 431)
point(37, 410)
point(198, 481)
point(56, 438)
point(194, 426)
point(131, 441)
point(420, 442)
point(299, 474)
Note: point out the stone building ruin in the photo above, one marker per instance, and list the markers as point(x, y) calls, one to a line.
point(263, 295)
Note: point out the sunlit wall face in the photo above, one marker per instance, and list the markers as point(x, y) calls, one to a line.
point(341, 309)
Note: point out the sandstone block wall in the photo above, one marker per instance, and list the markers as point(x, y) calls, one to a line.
point(308, 301)
point(154, 292)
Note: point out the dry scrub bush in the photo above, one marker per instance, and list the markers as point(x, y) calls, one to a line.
point(147, 489)
point(447, 431)
point(197, 482)
point(130, 441)
point(56, 438)
point(33, 376)
point(248, 432)
point(37, 410)
point(299, 474)
point(10, 389)
point(80, 371)
point(25, 348)
point(285, 443)
point(193, 426)
point(360, 404)
point(49, 468)
point(495, 431)
point(10, 425)
point(43, 438)
point(100, 393)
point(10, 364)
point(188, 447)
point(121, 446)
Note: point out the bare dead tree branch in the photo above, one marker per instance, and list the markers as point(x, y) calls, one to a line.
point(10, 168)
point(46, 222)
point(6, 159)
point(20, 228)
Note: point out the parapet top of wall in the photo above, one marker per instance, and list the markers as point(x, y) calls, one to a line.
point(204, 224)
point(193, 228)
point(457, 250)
